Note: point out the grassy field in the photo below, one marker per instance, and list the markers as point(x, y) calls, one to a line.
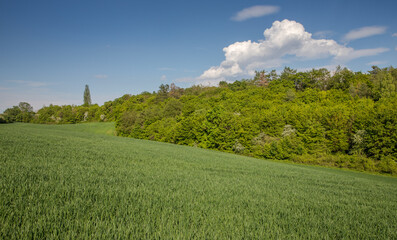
point(78, 181)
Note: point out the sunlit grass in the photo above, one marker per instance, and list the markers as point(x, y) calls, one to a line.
point(74, 181)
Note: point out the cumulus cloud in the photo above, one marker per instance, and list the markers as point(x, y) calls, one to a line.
point(364, 32)
point(163, 78)
point(394, 35)
point(254, 12)
point(322, 34)
point(284, 39)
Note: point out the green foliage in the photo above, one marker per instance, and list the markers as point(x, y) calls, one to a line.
point(21, 113)
point(381, 130)
point(87, 96)
point(68, 114)
point(362, 86)
point(2, 119)
point(384, 82)
point(13, 114)
point(172, 108)
point(341, 79)
point(340, 114)
point(75, 182)
point(163, 92)
point(328, 116)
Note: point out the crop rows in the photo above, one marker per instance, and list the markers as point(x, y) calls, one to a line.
point(73, 182)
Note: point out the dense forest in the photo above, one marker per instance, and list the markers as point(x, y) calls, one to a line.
point(343, 119)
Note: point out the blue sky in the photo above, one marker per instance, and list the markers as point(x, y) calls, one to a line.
point(49, 50)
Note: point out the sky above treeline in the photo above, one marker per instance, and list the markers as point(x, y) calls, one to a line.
point(49, 50)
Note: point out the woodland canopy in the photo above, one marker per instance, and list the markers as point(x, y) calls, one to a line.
point(343, 119)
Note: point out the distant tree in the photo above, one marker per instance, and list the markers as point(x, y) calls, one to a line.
point(302, 81)
point(287, 73)
point(26, 111)
point(87, 96)
point(175, 91)
point(238, 85)
point(288, 77)
point(12, 114)
point(261, 79)
point(384, 84)
point(163, 91)
point(272, 75)
point(223, 84)
point(319, 78)
point(21, 113)
point(341, 79)
point(25, 107)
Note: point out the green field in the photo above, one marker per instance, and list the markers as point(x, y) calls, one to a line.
point(79, 181)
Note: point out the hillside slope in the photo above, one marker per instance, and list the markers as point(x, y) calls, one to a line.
point(342, 118)
point(61, 181)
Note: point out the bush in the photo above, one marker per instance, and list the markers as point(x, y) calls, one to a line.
point(388, 165)
point(2, 120)
point(356, 162)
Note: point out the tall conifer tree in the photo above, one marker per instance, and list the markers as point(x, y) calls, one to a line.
point(87, 96)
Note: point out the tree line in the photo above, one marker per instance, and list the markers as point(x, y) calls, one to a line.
point(343, 119)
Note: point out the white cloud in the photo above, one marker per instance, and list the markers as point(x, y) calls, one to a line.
point(353, 54)
point(283, 40)
point(254, 12)
point(101, 76)
point(163, 78)
point(364, 32)
point(394, 35)
point(322, 34)
point(375, 63)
